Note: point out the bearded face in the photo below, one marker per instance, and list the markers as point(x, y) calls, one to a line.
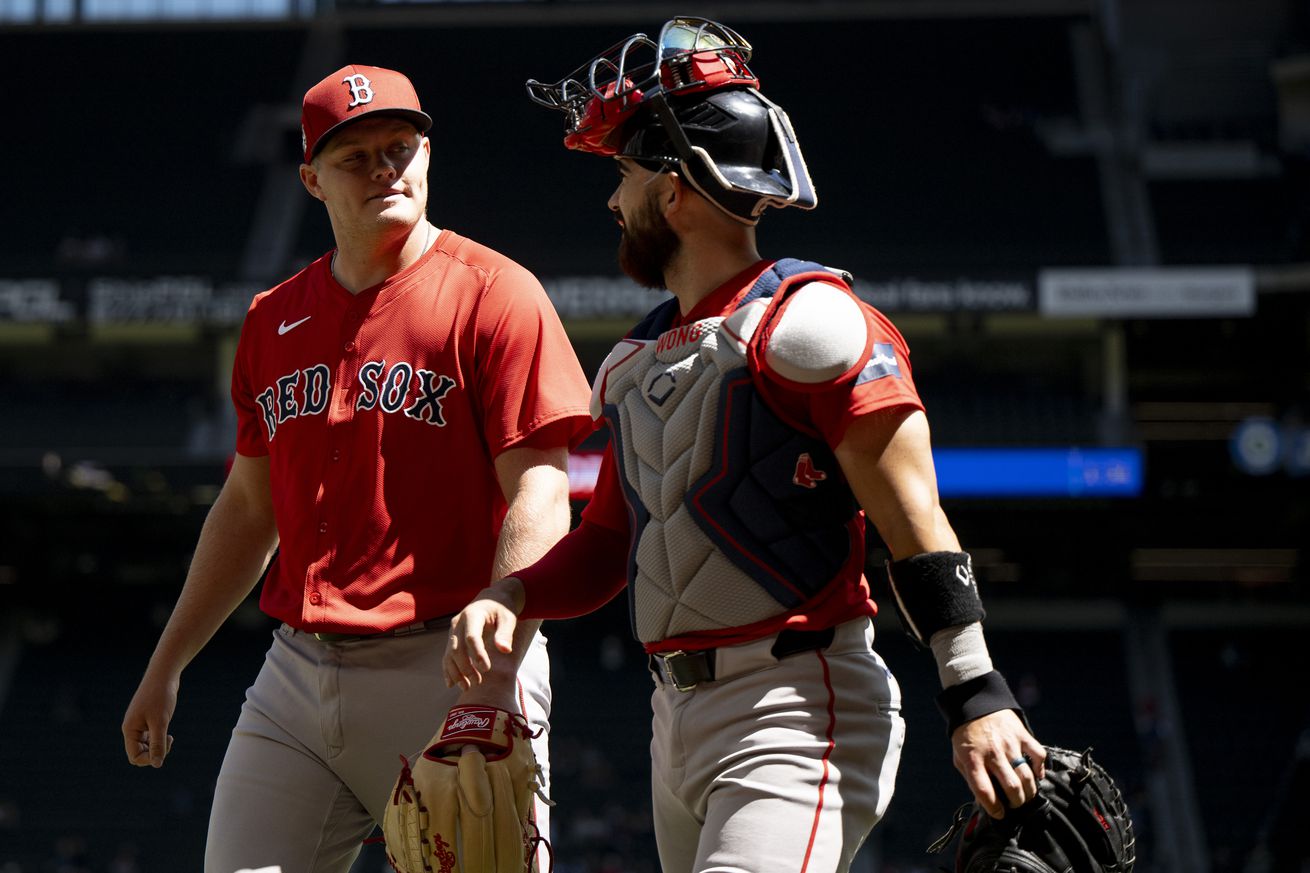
point(647, 246)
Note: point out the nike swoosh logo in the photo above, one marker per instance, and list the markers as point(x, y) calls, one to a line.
point(284, 328)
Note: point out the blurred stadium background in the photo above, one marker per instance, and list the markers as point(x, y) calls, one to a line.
point(1091, 219)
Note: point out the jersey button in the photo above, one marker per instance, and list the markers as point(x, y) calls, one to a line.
point(316, 598)
point(322, 528)
point(350, 346)
point(336, 454)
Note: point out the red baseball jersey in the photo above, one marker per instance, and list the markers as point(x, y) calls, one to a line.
point(382, 413)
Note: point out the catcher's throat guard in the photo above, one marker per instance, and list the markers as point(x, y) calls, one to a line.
point(646, 99)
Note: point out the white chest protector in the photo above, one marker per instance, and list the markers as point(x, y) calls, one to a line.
point(738, 515)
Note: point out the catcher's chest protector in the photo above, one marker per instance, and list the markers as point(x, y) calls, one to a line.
point(737, 515)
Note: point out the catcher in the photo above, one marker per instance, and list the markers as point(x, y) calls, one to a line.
point(757, 419)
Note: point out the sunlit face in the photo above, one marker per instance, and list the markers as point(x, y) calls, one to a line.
point(371, 175)
point(648, 243)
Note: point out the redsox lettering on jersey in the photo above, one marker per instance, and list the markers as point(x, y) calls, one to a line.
point(369, 405)
point(397, 388)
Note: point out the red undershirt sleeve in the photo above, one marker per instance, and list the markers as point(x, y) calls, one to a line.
point(580, 574)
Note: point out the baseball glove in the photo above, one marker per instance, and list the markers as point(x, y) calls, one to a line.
point(467, 810)
point(1077, 823)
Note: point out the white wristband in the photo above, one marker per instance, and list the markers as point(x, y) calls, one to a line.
point(961, 653)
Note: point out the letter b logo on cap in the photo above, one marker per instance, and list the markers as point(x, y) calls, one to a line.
point(361, 89)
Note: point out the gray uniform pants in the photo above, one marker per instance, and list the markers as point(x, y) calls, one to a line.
point(317, 747)
point(776, 766)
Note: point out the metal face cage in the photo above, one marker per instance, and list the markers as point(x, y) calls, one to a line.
point(690, 54)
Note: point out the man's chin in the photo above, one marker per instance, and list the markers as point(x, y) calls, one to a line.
point(397, 214)
point(641, 268)
point(649, 282)
point(640, 276)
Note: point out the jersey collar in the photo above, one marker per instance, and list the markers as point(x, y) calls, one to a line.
point(720, 298)
point(389, 287)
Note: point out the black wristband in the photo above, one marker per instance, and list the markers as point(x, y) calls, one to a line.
point(975, 698)
point(933, 591)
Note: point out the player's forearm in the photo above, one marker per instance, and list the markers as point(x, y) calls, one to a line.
point(538, 516)
point(234, 544)
point(915, 530)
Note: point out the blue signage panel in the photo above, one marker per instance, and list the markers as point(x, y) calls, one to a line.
point(1066, 472)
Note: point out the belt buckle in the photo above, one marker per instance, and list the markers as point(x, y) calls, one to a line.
point(336, 638)
point(670, 660)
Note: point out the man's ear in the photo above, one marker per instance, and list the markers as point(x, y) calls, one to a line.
point(309, 178)
point(674, 197)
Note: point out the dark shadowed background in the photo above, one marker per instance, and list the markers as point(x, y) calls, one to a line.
point(968, 155)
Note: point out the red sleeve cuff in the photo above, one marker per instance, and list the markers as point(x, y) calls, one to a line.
point(580, 574)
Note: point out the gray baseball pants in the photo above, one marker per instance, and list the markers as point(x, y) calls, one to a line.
point(317, 747)
point(777, 765)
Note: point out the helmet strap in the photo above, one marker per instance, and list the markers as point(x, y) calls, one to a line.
point(669, 121)
point(691, 157)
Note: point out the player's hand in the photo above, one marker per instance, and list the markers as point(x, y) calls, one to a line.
point(984, 752)
point(145, 725)
point(492, 616)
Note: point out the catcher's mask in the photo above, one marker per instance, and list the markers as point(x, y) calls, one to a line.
point(686, 101)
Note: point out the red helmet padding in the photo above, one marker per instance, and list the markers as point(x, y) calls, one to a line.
point(604, 116)
point(705, 71)
point(598, 131)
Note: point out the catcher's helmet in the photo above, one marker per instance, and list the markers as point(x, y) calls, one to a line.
point(687, 101)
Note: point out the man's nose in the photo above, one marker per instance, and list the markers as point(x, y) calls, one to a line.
point(385, 167)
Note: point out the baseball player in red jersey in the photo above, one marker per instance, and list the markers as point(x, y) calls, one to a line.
point(756, 419)
point(405, 406)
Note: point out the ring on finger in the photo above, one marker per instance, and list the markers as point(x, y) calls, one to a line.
point(1021, 761)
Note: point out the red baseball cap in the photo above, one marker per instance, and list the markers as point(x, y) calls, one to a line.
point(354, 92)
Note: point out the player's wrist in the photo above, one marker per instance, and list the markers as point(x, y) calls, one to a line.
point(961, 654)
point(976, 698)
point(165, 669)
point(497, 689)
point(508, 592)
point(934, 591)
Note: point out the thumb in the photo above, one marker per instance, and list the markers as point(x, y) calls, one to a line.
point(160, 743)
point(504, 637)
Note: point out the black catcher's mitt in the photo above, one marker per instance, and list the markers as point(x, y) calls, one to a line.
point(1078, 823)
